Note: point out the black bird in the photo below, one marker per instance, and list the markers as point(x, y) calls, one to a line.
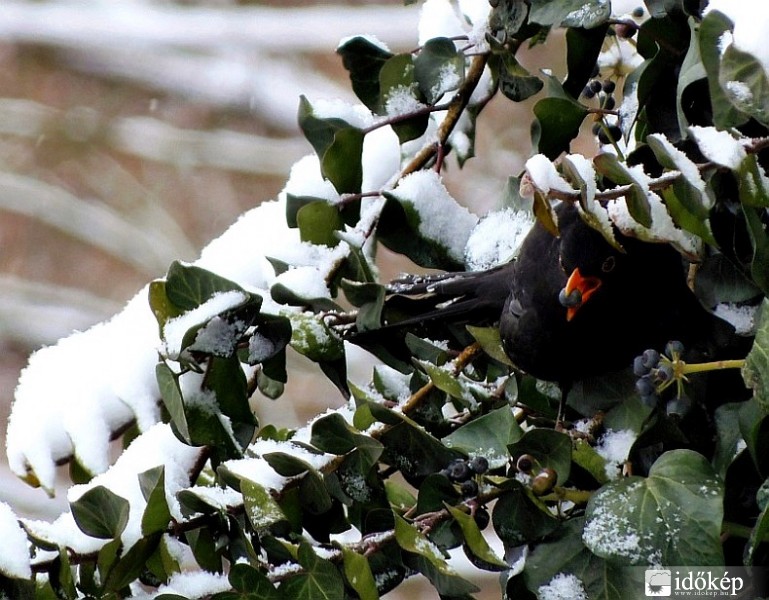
point(572, 306)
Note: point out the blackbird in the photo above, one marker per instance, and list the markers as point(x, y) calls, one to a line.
point(572, 306)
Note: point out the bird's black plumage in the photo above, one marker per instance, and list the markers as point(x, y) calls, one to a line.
point(639, 300)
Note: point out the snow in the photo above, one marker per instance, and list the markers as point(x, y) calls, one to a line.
point(195, 584)
point(620, 59)
point(441, 218)
point(663, 228)
point(305, 179)
point(401, 100)
point(742, 317)
point(77, 377)
point(157, 446)
point(686, 166)
point(496, 238)
point(372, 39)
point(175, 329)
point(307, 282)
point(545, 177)
point(751, 20)
point(614, 447)
point(439, 18)
point(562, 587)
point(718, 146)
point(14, 559)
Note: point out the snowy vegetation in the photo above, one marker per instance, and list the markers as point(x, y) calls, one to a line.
point(449, 449)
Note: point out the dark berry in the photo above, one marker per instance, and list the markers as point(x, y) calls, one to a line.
point(663, 373)
point(614, 134)
point(650, 400)
point(679, 407)
point(469, 488)
point(572, 300)
point(609, 103)
point(595, 86)
point(639, 367)
point(479, 465)
point(638, 12)
point(645, 386)
point(525, 463)
point(651, 358)
point(587, 92)
point(674, 349)
point(625, 30)
point(609, 86)
point(459, 471)
point(482, 518)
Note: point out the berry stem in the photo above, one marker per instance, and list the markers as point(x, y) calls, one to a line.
point(715, 365)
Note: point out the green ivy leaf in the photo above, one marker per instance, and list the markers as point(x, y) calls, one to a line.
point(412, 540)
point(745, 83)
point(557, 123)
point(318, 223)
point(312, 337)
point(628, 521)
point(711, 29)
point(358, 573)
point(491, 342)
point(438, 68)
point(156, 515)
point(262, 509)
point(399, 92)
point(188, 286)
point(550, 448)
point(728, 437)
point(338, 146)
point(128, 568)
point(399, 230)
point(564, 552)
point(518, 518)
point(570, 13)
point(515, 82)
point(488, 436)
point(333, 434)
point(475, 545)
point(319, 579)
point(759, 239)
point(363, 60)
point(583, 46)
point(755, 372)
point(172, 399)
point(609, 165)
point(100, 513)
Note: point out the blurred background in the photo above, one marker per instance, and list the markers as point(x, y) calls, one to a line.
point(134, 132)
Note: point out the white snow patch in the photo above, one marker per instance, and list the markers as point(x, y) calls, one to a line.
point(14, 559)
point(562, 587)
point(496, 238)
point(718, 146)
point(741, 317)
point(614, 447)
point(441, 218)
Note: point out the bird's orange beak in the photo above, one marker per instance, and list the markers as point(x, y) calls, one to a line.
point(586, 287)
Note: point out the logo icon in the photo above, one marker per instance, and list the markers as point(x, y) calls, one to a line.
point(657, 582)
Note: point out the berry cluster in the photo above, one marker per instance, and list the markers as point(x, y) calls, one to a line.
point(656, 372)
point(542, 478)
point(463, 472)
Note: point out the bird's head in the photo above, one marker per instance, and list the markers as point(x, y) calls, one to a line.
point(589, 263)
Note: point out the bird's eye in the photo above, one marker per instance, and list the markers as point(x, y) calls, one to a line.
point(609, 264)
